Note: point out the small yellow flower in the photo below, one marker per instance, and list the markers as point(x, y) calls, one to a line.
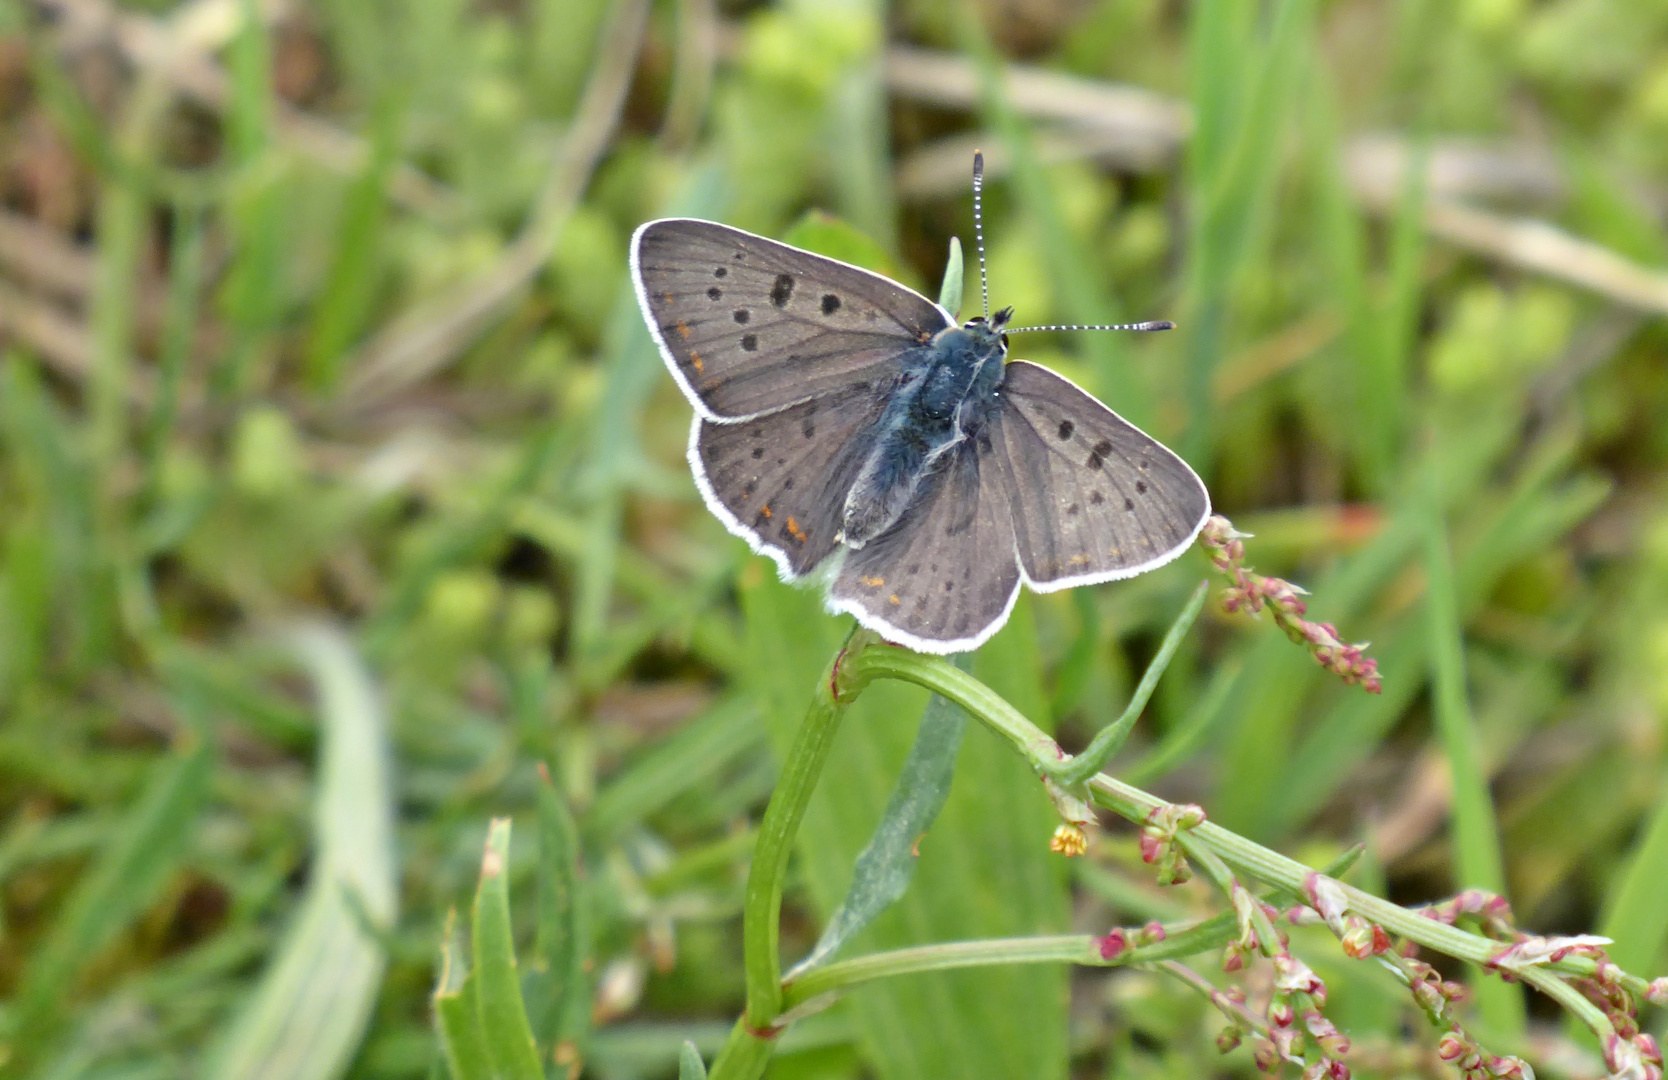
point(1069, 840)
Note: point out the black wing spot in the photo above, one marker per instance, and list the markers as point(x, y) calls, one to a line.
point(808, 429)
point(1129, 504)
point(1103, 448)
point(1145, 464)
point(715, 293)
point(719, 271)
point(1071, 511)
point(782, 290)
point(830, 303)
point(741, 315)
point(1141, 487)
point(758, 452)
point(787, 484)
point(1096, 498)
point(914, 568)
point(748, 488)
point(1066, 428)
point(750, 342)
point(1099, 454)
point(949, 586)
point(1094, 461)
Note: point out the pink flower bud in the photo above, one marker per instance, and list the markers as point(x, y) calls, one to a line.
point(1657, 992)
point(1151, 934)
point(1112, 945)
point(1266, 1057)
point(1648, 1048)
point(1227, 1039)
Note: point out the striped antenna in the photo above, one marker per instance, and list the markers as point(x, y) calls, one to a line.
point(979, 226)
point(1161, 324)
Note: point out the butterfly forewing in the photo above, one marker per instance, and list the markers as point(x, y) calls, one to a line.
point(1092, 497)
point(779, 480)
point(944, 578)
point(748, 325)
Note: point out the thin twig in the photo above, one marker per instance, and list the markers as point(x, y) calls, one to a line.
point(416, 346)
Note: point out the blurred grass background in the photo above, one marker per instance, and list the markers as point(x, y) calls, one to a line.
point(340, 488)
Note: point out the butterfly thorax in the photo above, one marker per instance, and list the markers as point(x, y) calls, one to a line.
point(940, 399)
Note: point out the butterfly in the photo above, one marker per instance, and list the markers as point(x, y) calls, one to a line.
point(845, 421)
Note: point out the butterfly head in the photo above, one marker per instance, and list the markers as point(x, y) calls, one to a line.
point(990, 331)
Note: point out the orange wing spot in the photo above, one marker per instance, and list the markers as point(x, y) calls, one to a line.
point(695, 358)
point(1115, 551)
point(873, 582)
point(794, 530)
point(668, 296)
point(1078, 560)
point(893, 600)
point(765, 510)
point(683, 329)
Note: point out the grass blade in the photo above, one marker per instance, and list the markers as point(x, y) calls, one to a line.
point(503, 1016)
point(1476, 835)
point(124, 878)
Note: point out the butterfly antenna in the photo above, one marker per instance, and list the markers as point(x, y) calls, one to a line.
point(1161, 324)
point(979, 226)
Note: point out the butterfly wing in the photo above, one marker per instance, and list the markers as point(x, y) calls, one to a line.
point(747, 325)
point(779, 481)
point(944, 578)
point(1093, 497)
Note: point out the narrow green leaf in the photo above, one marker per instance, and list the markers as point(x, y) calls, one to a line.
point(949, 293)
point(690, 1066)
point(309, 1010)
point(1636, 918)
point(1110, 739)
point(503, 1016)
point(886, 864)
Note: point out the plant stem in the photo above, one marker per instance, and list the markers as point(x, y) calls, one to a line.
point(748, 1048)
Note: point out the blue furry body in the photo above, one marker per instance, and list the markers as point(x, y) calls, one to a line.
point(943, 394)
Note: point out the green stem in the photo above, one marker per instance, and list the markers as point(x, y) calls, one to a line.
point(1223, 854)
point(761, 922)
point(1111, 738)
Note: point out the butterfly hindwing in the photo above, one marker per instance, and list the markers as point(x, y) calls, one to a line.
point(748, 325)
point(944, 578)
point(1093, 498)
point(779, 480)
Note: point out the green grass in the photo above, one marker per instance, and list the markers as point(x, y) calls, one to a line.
point(533, 619)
